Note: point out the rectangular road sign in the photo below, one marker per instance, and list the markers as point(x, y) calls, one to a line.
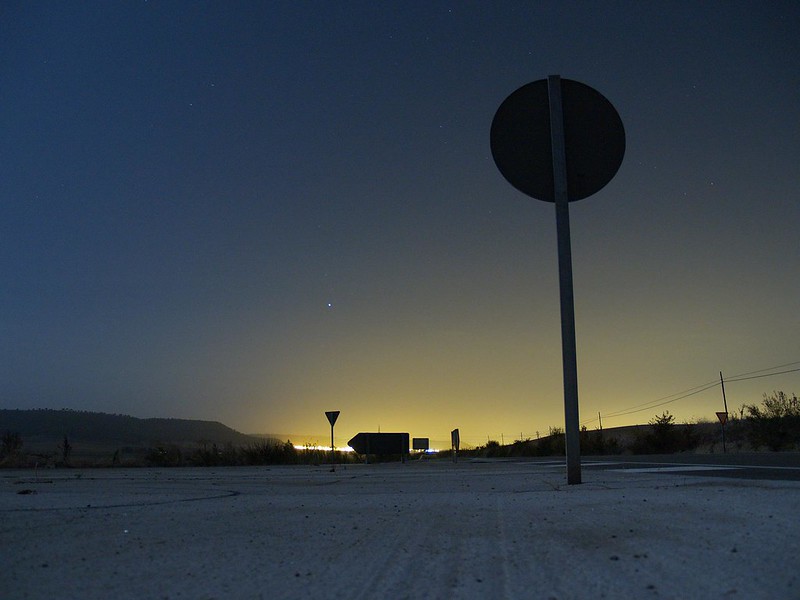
point(455, 439)
point(380, 443)
point(420, 443)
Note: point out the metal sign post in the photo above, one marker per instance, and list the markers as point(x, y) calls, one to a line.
point(723, 419)
point(332, 416)
point(568, 351)
point(560, 141)
point(725, 403)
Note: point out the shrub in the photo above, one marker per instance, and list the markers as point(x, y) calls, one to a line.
point(775, 423)
point(554, 444)
point(661, 438)
point(165, 456)
point(493, 448)
point(11, 444)
point(595, 442)
point(11, 449)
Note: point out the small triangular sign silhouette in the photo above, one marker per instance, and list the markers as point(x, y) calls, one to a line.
point(332, 416)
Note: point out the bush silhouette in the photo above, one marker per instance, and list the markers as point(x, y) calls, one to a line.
point(775, 423)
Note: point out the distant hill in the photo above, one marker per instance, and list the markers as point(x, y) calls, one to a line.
point(48, 427)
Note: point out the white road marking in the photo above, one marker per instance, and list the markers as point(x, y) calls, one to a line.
point(675, 469)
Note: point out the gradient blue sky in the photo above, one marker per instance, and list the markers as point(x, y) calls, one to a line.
point(256, 212)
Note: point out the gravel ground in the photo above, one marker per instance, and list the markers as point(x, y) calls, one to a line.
point(425, 529)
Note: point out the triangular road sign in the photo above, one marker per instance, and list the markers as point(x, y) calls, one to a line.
point(332, 416)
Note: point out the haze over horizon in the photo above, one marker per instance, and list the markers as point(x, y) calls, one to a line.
point(256, 212)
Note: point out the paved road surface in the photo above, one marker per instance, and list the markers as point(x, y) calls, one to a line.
point(781, 466)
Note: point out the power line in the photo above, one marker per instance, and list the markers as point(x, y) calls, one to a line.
point(797, 362)
point(652, 405)
point(696, 390)
point(660, 401)
point(760, 376)
point(683, 395)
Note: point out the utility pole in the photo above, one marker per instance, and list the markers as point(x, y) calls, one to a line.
point(725, 403)
point(724, 400)
point(601, 420)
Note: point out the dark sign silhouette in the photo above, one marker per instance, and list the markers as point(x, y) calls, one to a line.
point(559, 140)
point(380, 443)
point(594, 140)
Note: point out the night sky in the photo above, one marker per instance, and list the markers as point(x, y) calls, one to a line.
point(257, 212)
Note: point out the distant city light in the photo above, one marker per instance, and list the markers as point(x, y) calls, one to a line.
point(349, 449)
point(323, 448)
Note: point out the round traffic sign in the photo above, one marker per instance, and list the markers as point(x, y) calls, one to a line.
point(594, 140)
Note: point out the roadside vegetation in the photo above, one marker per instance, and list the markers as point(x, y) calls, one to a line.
point(771, 425)
point(201, 454)
point(267, 452)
